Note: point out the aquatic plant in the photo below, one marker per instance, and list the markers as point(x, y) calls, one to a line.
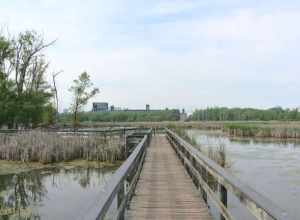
point(46, 147)
point(283, 131)
point(218, 154)
point(184, 135)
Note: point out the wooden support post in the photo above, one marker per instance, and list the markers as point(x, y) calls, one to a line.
point(204, 177)
point(223, 197)
point(126, 187)
point(120, 198)
point(126, 146)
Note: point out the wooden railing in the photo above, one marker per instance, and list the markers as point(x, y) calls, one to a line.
point(214, 182)
point(118, 130)
point(121, 186)
point(106, 130)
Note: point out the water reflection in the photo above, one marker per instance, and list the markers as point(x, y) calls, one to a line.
point(51, 194)
point(270, 166)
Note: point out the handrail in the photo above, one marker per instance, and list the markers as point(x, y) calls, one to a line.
point(199, 166)
point(122, 183)
point(122, 129)
point(97, 130)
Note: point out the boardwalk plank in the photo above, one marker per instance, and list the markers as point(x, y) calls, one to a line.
point(165, 191)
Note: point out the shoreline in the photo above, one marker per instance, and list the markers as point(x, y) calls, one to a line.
point(16, 167)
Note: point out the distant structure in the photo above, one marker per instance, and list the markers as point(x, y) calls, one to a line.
point(147, 107)
point(100, 107)
point(183, 115)
point(104, 107)
point(175, 112)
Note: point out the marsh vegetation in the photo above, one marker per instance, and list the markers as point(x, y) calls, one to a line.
point(217, 152)
point(43, 147)
point(270, 166)
point(263, 130)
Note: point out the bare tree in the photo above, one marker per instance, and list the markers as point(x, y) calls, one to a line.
point(29, 65)
point(54, 75)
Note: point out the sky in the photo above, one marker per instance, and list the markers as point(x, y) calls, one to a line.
point(178, 53)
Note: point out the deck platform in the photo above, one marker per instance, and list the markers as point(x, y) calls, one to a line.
point(165, 190)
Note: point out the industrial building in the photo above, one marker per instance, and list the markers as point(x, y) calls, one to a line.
point(104, 107)
point(100, 107)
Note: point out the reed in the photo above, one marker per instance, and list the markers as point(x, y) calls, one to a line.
point(37, 146)
point(184, 135)
point(283, 131)
point(218, 154)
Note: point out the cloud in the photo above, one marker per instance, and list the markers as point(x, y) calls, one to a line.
point(207, 54)
point(174, 7)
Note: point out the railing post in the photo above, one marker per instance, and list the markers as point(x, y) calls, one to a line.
point(214, 183)
point(223, 197)
point(126, 146)
point(120, 198)
point(126, 187)
point(149, 137)
point(204, 177)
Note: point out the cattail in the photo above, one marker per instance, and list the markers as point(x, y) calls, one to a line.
point(37, 146)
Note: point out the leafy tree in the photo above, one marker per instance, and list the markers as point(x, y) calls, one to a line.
point(29, 70)
point(82, 92)
point(7, 94)
point(24, 93)
point(6, 53)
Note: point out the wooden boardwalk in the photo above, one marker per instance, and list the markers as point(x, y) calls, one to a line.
point(164, 190)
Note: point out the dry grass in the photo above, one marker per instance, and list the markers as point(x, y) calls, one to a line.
point(184, 135)
point(270, 129)
point(218, 154)
point(264, 130)
point(37, 146)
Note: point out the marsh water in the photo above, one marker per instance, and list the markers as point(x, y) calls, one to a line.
point(54, 193)
point(271, 167)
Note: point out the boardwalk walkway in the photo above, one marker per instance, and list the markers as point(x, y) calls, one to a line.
point(164, 190)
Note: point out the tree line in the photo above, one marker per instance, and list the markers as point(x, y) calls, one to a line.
point(245, 114)
point(26, 98)
point(123, 116)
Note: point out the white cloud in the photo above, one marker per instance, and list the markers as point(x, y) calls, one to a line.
point(175, 6)
point(228, 51)
point(234, 58)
